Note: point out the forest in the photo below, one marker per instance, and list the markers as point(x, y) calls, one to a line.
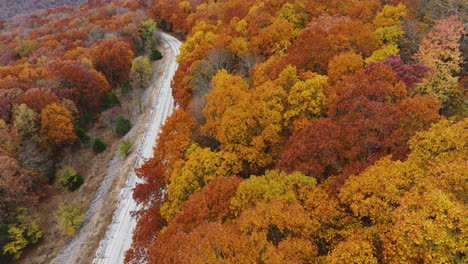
point(70, 82)
point(306, 131)
point(12, 8)
point(310, 132)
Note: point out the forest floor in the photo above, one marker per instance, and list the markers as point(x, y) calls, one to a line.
point(105, 175)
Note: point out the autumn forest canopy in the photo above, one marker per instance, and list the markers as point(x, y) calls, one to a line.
point(307, 131)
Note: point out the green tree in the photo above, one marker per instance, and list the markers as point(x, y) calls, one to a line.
point(123, 125)
point(109, 100)
point(147, 29)
point(99, 146)
point(155, 54)
point(126, 87)
point(68, 179)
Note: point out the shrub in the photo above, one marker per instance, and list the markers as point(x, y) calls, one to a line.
point(108, 118)
point(125, 147)
point(69, 215)
point(68, 179)
point(155, 54)
point(123, 125)
point(99, 146)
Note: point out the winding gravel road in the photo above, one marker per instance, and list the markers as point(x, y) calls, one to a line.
point(118, 236)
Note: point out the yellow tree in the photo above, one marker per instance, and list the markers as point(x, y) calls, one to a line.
point(273, 185)
point(417, 207)
point(430, 227)
point(388, 31)
point(308, 98)
point(226, 92)
point(57, 126)
point(201, 167)
point(343, 65)
point(244, 122)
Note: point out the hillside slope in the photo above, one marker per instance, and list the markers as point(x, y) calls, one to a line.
point(12, 8)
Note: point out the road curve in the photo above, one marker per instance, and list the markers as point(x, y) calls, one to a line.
point(118, 236)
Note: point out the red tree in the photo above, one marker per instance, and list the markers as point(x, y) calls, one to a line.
point(87, 87)
point(366, 121)
point(114, 59)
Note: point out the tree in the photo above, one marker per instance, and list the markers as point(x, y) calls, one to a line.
point(155, 173)
point(99, 146)
point(226, 93)
point(71, 107)
point(155, 54)
point(5, 110)
point(56, 125)
point(210, 203)
point(440, 49)
point(308, 98)
point(25, 121)
point(273, 185)
point(147, 29)
point(201, 74)
point(280, 220)
point(123, 125)
point(410, 74)
point(114, 59)
point(231, 113)
point(108, 118)
point(110, 100)
point(19, 186)
point(320, 43)
point(25, 231)
point(427, 228)
point(141, 72)
point(38, 98)
point(27, 47)
point(363, 125)
point(210, 242)
point(67, 179)
point(201, 167)
point(69, 215)
point(388, 32)
point(274, 39)
point(356, 250)
point(125, 147)
point(86, 86)
point(17, 244)
point(343, 65)
point(416, 206)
